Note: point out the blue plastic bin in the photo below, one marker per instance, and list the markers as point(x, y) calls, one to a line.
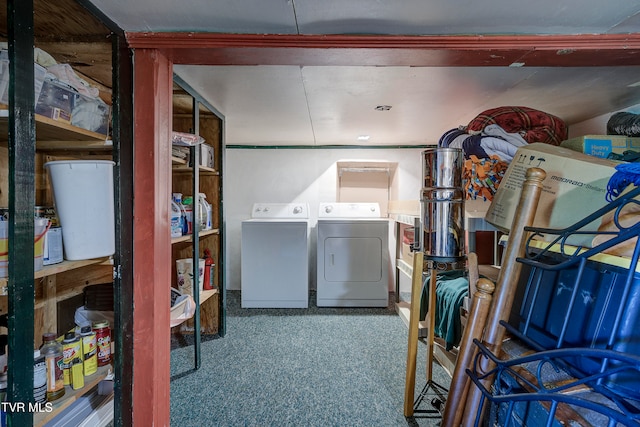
point(591, 317)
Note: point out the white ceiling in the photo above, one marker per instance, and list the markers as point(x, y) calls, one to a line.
point(326, 105)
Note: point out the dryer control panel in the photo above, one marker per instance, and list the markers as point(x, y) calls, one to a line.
point(280, 210)
point(349, 210)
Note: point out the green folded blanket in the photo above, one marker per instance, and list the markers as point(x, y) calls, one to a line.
point(451, 288)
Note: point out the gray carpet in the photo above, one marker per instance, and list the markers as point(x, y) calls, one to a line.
point(299, 367)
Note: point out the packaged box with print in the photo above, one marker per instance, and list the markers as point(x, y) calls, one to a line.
point(56, 101)
point(575, 183)
point(602, 145)
point(206, 156)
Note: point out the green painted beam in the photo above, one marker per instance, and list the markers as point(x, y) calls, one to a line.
point(22, 150)
point(122, 134)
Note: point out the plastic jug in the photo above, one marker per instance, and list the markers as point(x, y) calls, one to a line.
point(175, 219)
point(205, 212)
point(187, 212)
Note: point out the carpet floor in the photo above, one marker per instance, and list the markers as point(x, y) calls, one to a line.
point(300, 367)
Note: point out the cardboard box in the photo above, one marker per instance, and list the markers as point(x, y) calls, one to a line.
point(602, 145)
point(574, 187)
point(206, 156)
point(406, 254)
point(53, 253)
point(408, 237)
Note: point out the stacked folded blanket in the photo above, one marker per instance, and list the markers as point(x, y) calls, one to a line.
point(491, 139)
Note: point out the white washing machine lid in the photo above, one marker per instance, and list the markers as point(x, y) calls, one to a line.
point(280, 211)
point(349, 210)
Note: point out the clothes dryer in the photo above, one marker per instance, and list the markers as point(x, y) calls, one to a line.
point(274, 263)
point(352, 256)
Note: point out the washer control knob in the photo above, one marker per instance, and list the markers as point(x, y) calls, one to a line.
point(297, 209)
point(328, 208)
point(266, 209)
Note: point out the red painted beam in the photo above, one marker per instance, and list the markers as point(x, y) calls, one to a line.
point(419, 51)
point(153, 82)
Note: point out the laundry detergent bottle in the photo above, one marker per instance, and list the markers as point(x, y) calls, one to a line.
point(205, 212)
point(187, 213)
point(175, 218)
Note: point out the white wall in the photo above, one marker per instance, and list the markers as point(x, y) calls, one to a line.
point(298, 175)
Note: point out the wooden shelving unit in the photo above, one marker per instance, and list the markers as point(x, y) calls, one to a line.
point(59, 282)
point(50, 270)
point(56, 135)
point(193, 115)
point(35, 304)
point(70, 396)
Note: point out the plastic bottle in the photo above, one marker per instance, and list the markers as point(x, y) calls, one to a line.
point(177, 198)
point(175, 219)
point(52, 352)
point(187, 210)
point(208, 271)
point(39, 378)
point(207, 212)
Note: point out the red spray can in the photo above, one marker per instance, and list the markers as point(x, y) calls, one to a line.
point(208, 273)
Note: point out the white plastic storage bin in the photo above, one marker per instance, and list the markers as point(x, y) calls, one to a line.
point(83, 196)
point(39, 73)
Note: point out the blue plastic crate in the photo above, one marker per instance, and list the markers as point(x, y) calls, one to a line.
point(590, 318)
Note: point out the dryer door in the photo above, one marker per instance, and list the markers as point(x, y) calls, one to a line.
point(352, 262)
point(353, 259)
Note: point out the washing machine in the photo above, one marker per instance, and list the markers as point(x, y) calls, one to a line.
point(275, 256)
point(352, 256)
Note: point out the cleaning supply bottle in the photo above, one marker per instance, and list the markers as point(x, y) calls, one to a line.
point(52, 351)
point(206, 212)
point(184, 228)
point(208, 271)
point(202, 212)
point(187, 211)
point(175, 218)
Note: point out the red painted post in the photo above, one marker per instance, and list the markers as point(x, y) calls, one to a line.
point(153, 79)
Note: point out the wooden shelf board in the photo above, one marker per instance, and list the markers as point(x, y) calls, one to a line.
point(70, 396)
point(178, 161)
point(184, 168)
point(52, 130)
point(61, 296)
point(187, 238)
point(403, 308)
point(205, 295)
point(106, 145)
point(404, 267)
point(446, 359)
point(50, 270)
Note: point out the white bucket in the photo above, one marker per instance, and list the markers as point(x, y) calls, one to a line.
point(83, 197)
point(184, 269)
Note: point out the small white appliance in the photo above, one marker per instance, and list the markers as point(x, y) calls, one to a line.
point(275, 256)
point(352, 256)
